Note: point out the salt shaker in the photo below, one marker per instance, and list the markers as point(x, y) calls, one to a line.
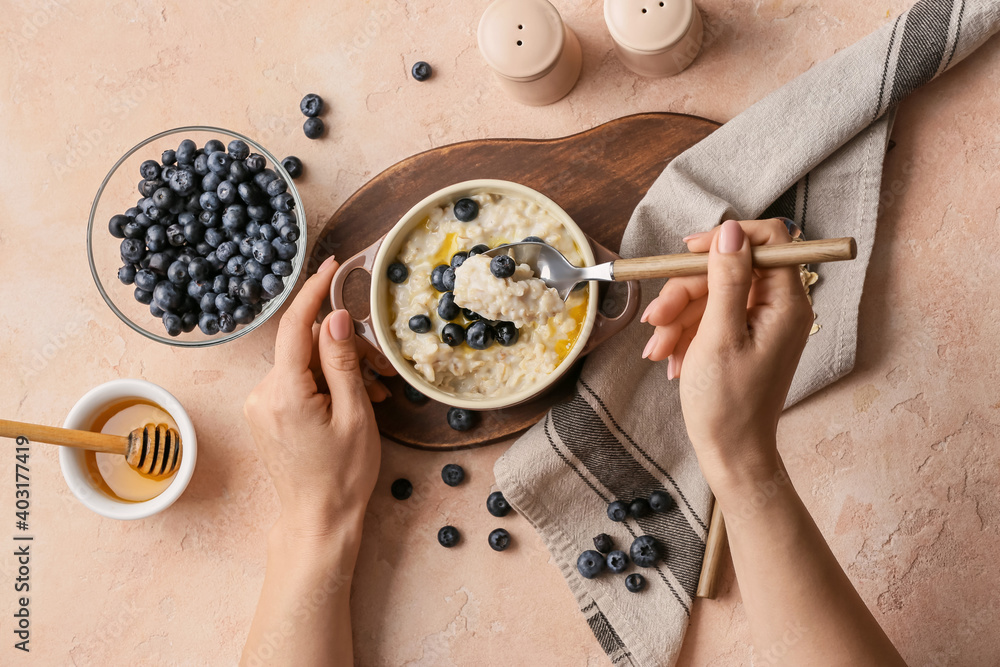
point(655, 37)
point(535, 57)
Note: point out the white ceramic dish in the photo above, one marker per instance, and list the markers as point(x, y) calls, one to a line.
point(82, 416)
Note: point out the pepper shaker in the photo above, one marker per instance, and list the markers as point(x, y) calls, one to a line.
point(655, 37)
point(535, 57)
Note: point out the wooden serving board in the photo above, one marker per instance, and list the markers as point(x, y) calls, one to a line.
point(597, 176)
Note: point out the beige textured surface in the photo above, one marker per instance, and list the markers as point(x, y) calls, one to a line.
point(898, 462)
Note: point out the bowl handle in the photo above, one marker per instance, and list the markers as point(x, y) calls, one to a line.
point(364, 260)
point(605, 327)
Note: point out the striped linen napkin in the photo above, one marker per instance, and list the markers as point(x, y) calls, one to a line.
point(811, 151)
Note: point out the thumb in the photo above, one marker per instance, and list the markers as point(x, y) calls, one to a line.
point(338, 356)
point(730, 274)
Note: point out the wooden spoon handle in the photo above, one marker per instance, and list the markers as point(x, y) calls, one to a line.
point(712, 562)
point(764, 257)
point(97, 442)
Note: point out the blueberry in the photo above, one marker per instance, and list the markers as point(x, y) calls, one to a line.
point(466, 210)
point(259, 212)
point(471, 316)
point(497, 505)
point(420, 324)
point(448, 536)
point(172, 323)
point(243, 314)
point(617, 510)
point(447, 309)
point(234, 217)
point(461, 419)
point(163, 198)
point(412, 395)
point(189, 321)
point(149, 169)
point(132, 250)
point(478, 249)
point(116, 225)
point(506, 333)
point(198, 288)
point(168, 156)
point(453, 334)
point(235, 265)
point(208, 323)
point(267, 232)
point(238, 172)
point(186, 151)
point(590, 564)
point(177, 273)
point(313, 128)
point(227, 323)
point(292, 165)
point(276, 187)
point(532, 239)
point(499, 539)
point(210, 182)
point(311, 105)
point(250, 291)
point(155, 310)
point(617, 561)
point(604, 543)
point(210, 201)
point(272, 285)
point(437, 277)
point(219, 163)
point(250, 193)
point(246, 247)
point(421, 71)
point(226, 250)
point(238, 149)
point(225, 303)
point(661, 501)
point(145, 279)
point(166, 296)
point(448, 279)
point(264, 252)
point(503, 266)
point(284, 203)
point(194, 232)
point(458, 259)
point(175, 235)
point(200, 164)
point(133, 230)
point(254, 269)
point(279, 219)
point(156, 238)
point(214, 146)
point(255, 163)
point(281, 268)
point(452, 474)
point(144, 297)
point(126, 274)
point(265, 177)
point(159, 262)
point(183, 182)
point(479, 335)
point(397, 272)
point(635, 582)
point(639, 508)
point(645, 551)
point(226, 191)
point(214, 237)
point(401, 489)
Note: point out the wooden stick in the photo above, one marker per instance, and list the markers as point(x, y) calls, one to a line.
point(714, 546)
point(98, 442)
point(764, 257)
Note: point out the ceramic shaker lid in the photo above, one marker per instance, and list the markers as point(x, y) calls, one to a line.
point(648, 25)
point(521, 39)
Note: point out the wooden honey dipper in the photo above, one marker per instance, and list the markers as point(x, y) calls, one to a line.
point(153, 451)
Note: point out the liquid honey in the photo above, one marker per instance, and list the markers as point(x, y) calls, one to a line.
point(110, 472)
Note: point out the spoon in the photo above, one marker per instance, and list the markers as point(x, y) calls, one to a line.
point(558, 273)
point(153, 451)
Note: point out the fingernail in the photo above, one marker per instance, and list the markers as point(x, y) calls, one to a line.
point(692, 237)
point(730, 237)
point(341, 325)
point(645, 313)
point(649, 347)
point(670, 367)
point(326, 263)
point(793, 229)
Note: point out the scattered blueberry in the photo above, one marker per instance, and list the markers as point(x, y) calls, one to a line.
point(532, 239)
point(453, 334)
point(227, 323)
point(397, 272)
point(421, 71)
point(311, 105)
point(401, 489)
point(506, 333)
point(471, 316)
point(313, 128)
point(149, 169)
point(448, 279)
point(437, 277)
point(644, 551)
point(126, 274)
point(116, 225)
point(590, 564)
point(497, 505)
point(238, 149)
point(499, 539)
point(452, 474)
point(172, 324)
point(635, 582)
point(144, 297)
point(503, 266)
point(661, 501)
point(276, 187)
point(448, 536)
point(617, 561)
point(412, 395)
point(639, 508)
point(420, 324)
point(293, 166)
point(208, 323)
point(604, 543)
point(447, 309)
point(168, 157)
point(255, 163)
point(479, 335)
point(458, 259)
point(177, 273)
point(617, 510)
point(466, 210)
point(461, 419)
point(478, 249)
point(186, 151)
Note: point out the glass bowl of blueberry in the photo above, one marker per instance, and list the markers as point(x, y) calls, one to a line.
point(206, 247)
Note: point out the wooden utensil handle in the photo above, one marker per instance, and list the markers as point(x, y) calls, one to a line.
point(714, 546)
point(97, 442)
point(764, 257)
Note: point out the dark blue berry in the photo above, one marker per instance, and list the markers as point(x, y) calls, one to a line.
point(401, 489)
point(313, 128)
point(243, 314)
point(155, 310)
point(635, 582)
point(132, 250)
point(183, 182)
point(421, 71)
point(478, 249)
point(225, 303)
point(227, 323)
point(210, 201)
point(437, 277)
point(497, 505)
point(215, 237)
point(159, 262)
point(168, 156)
point(226, 191)
point(293, 166)
point(189, 321)
point(150, 169)
point(280, 219)
point(219, 163)
point(448, 536)
point(268, 232)
point(214, 146)
point(503, 266)
point(246, 247)
point(238, 172)
point(461, 419)
point(145, 279)
point(235, 265)
point(506, 333)
point(177, 273)
point(590, 564)
point(208, 323)
point(250, 193)
point(249, 291)
point(447, 309)
point(194, 232)
point(172, 323)
point(264, 252)
point(133, 230)
point(265, 177)
point(156, 238)
point(238, 149)
point(453, 334)
point(448, 279)
point(234, 217)
point(617, 511)
point(284, 203)
point(499, 539)
point(186, 151)
point(175, 235)
point(479, 335)
point(311, 105)
point(466, 210)
point(471, 316)
point(254, 269)
point(532, 239)
point(255, 163)
point(617, 561)
point(126, 274)
point(458, 259)
point(661, 501)
point(277, 187)
point(644, 551)
point(207, 303)
point(200, 164)
point(163, 198)
point(116, 225)
point(226, 250)
point(286, 250)
point(144, 297)
point(639, 508)
point(397, 272)
point(272, 285)
point(198, 288)
point(420, 324)
point(210, 182)
point(412, 395)
point(452, 474)
point(604, 543)
point(166, 295)
point(282, 267)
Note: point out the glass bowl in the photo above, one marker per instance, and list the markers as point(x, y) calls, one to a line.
point(118, 192)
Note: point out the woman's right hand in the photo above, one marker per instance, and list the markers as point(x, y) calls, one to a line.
point(734, 338)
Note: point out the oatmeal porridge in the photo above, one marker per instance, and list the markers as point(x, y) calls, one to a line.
point(473, 329)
